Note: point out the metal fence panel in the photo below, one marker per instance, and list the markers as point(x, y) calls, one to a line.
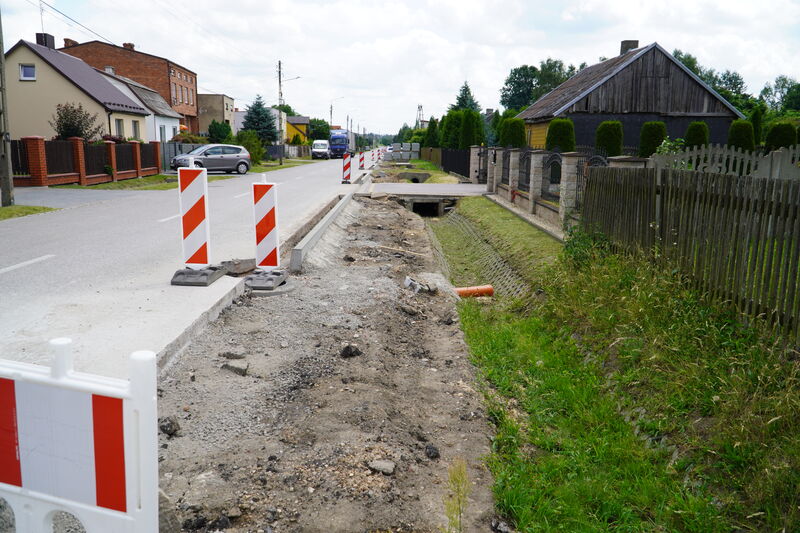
point(125, 157)
point(456, 161)
point(19, 159)
point(60, 157)
point(96, 159)
point(148, 152)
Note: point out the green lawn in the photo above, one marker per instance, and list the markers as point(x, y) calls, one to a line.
point(14, 211)
point(621, 399)
point(157, 182)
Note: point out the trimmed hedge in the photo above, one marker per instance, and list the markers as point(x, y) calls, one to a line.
point(781, 135)
point(608, 137)
point(651, 136)
point(561, 134)
point(740, 135)
point(512, 133)
point(696, 134)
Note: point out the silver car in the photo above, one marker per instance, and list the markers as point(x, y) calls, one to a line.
point(226, 157)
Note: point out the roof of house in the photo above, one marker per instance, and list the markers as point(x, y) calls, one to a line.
point(587, 80)
point(149, 97)
point(85, 78)
point(298, 120)
point(129, 50)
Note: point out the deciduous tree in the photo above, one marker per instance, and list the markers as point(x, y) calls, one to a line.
point(71, 120)
point(517, 92)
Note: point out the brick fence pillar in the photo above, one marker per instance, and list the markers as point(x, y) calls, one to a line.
point(79, 158)
point(474, 164)
point(37, 160)
point(137, 157)
point(111, 157)
point(157, 154)
point(568, 200)
point(491, 163)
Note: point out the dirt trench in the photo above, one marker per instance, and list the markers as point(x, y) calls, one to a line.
point(335, 408)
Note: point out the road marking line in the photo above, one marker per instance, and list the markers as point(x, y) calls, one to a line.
point(170, 218)
point(242, 195)
point(26, 263)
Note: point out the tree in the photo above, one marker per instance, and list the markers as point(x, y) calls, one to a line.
point(774, 94)
point(466, 136)
point(73, 120)
point(405, 131)
point(451, 132)
point(791, 100)
point(219, 132)
point(431, 134)
point(651, 136)
point(250, 141)
point(259, 119)
point(561, 135)
point(517, 92)
point(729, 84)
point(696, 134)
point(608, 137)
point(286, 108)
point(740, 135)
point(296, 140)
point(781, 135)
point(417, 135)
point(319, 129)
point(552, 73)
point(465, 100)
point(757, 120)
point(512, 133)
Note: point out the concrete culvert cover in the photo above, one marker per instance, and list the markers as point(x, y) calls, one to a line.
point(309, 440)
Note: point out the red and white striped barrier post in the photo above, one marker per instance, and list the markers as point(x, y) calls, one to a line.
point(79, 443)
point(193, 186)
point(346, 168)
point(265, 201)
point(361, 160)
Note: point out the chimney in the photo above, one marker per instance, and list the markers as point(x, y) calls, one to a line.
point(45, 39)
point(128, 46)
point(69, 42)
point(627, 46)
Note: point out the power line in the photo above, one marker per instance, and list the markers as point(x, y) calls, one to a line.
point(76, 22)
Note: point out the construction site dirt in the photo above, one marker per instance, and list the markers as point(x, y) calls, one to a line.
point(336, 407)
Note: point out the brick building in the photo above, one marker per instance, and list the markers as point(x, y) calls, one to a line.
point(176, 84)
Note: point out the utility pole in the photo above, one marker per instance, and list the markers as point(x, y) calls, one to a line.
point(331, 121)
point(280, 103)
point(6, 177)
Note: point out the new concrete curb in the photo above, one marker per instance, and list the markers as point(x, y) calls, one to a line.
point(300, 251)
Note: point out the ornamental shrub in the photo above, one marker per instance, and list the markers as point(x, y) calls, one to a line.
point(561, 135)
point(252, 143)
point(781, 135)
point(651, 136)
point(697, 134)
point(740, 135)
point(608, 137)
point(757, 120)
point(219, 132)
point(512, 133)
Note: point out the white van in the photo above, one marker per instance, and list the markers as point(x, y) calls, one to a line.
point(320, 150)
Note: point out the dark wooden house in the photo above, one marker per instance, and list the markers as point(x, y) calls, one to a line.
point(637, 86)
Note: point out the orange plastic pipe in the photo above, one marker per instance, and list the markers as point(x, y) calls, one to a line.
point(480, 290)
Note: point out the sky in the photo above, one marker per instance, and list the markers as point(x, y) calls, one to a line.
point(377, 61)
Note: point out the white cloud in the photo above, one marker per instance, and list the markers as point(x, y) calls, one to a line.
point(387, 57)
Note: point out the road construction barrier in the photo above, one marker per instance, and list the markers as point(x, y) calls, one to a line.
point(193, 187)
point(79, 443)
point(361, 160)
point(346, 168)
point(265, 202)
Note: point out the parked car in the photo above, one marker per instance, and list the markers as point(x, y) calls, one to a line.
point(226, 157)
point(320, 150)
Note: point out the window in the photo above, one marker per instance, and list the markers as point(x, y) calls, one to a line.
point(191, 97)
point(162, 133)
point(27, 72)
point(172, 72)
point(120, 127)
point(136, 129)
point(173, 92)
point(230, 150)
point(184, 98)
point(174, 130)
point(217, 150)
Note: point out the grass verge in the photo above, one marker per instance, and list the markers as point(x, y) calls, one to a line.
point(14, 211)
point(157, 182)
point(269, 166)
point(622, 399)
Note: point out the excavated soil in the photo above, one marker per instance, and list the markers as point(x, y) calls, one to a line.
point(337, 407)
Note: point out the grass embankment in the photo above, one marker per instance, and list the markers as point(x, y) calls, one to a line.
point(622, 400)
point(14, 211)
point(269, 166)
point(420, 165)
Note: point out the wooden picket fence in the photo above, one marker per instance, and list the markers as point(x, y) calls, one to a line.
point(736, 237)
point(723, 159)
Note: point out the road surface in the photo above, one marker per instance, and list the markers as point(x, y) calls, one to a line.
point(99, 269)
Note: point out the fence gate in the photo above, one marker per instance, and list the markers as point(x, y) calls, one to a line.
point(551, 176)
point(524, 180)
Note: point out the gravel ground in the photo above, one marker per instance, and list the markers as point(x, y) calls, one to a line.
point(337, 407)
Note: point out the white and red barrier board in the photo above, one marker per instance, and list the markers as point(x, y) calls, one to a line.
point(346, 167)
point(265, 201)
point(193, 189)
point(79, 443)
point(361, 160)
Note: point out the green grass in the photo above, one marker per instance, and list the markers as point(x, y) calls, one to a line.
point(421, 164)
point(622, 399)
point(268, 166)
point(14, 211)
point(157, 182)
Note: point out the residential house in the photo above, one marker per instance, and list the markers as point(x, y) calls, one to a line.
point(297, 126)
point(637, 86)
point(163, 123)
point(176, 84)
point(39, 78)
point(278, 116)
point(217, 107)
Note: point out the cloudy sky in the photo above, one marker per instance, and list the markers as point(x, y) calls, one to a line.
point(376, 61)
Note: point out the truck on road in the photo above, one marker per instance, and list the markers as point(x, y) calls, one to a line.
point(342, 141)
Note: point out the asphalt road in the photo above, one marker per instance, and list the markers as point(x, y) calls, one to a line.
point(98, 270)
